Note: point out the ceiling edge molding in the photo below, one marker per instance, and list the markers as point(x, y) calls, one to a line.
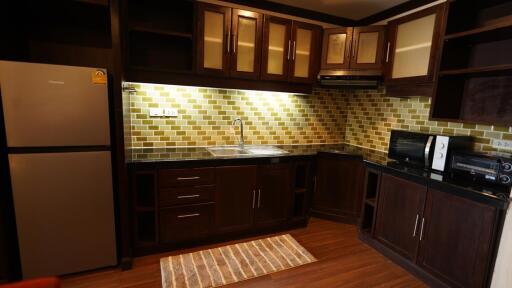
point(393, 11)
point(295, 11)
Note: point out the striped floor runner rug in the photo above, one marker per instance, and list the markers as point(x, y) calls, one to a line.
point(233, 263)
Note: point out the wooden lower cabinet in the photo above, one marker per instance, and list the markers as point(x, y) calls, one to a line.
point(458, 239)
point(339, 188)
point(273, 203)
point(444, 237)
point(176, 206)
point(235, 198)
point(399, 213)
point(185, 222)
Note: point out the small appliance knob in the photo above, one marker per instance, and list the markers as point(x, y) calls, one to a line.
point(505, 179)
point(442, 145)
point(507, 167)
point(440, 155)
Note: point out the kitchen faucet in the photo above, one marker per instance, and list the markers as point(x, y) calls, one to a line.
point(241, 140)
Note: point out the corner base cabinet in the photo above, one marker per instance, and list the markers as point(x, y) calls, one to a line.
point(437, 234)
point(339, 187)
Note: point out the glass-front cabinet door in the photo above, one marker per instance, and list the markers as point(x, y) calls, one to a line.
point(246, 48)
point(276, 52)
point(368, 47)
point(304, 52)
point(336, 48)
point(214, 39)
point(412, 47)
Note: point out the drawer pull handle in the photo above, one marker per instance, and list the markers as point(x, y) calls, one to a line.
point(189, 215)
point(188, 178)
point(188, 196)
point(422, 226)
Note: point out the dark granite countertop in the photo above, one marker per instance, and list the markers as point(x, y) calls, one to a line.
point(494, 195)
point(141, 155)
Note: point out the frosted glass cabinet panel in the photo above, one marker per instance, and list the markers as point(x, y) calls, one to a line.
point(336, 48)
point(367, 48)
point(276, 49)
point(213, 39)
point(302, 53)
point(246, 52)
point(413, 46)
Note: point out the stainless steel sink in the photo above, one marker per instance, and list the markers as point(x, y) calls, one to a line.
point(248, 150)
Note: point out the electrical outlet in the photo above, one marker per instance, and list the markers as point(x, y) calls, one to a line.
point(156, 112)
point(171, 112)
point(502, 144)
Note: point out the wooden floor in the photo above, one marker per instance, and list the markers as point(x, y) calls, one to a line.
point(344, 261)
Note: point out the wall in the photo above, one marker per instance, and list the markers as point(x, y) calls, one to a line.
point(359, 117)
point(205, 117)
point(370, 118)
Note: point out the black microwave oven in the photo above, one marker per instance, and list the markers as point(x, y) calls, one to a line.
point(429, 151)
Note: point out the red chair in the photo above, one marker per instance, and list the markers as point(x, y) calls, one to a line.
point(50, 282)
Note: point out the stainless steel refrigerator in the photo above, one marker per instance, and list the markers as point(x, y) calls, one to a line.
point(58, 138)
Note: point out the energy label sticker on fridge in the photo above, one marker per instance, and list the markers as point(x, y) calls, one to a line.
point(99, 77)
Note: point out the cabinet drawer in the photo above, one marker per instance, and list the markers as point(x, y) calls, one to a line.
point(186, 195)
point(186, 177)
point(186, 222)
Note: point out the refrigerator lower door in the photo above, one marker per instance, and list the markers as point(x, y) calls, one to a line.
point(64, 212)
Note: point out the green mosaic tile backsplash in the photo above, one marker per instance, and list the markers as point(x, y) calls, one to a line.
point(359, 117)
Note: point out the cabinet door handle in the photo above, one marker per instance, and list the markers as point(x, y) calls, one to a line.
point(422, 226)
point(289, 43)
point(187, 178)
point(347, 53)
point(188, 196)
point(189, 215)
point(354, 47)
point(228, 42)
point(294, 50)
point(387, 52)
point(415, 225)
point(234, 43)
point(253, 198)
point(259, 198)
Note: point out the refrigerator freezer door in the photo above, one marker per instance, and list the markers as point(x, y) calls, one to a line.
point(64, 212)
point(53, 105)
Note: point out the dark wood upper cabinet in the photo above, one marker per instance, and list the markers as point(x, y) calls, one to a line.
point(413, 46)
point(276, 48)
point(246, 36)
point(399, 215)
point(354, 48)
point(274, 195)
point(213, 39)
point(291, 50)
point(235, 198)
point(305, 52)
point(368, 47)
point(339, 188)
point(336, 48)
point(458, 239)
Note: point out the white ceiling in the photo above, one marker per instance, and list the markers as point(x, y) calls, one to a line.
point(351, 9)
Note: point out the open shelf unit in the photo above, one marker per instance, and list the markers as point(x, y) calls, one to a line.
point(302, 185)
point(144, 201)
point(371, 192)
point(476, 65)
point(160, 36)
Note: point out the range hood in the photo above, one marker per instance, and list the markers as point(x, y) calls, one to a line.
point(361, 79)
